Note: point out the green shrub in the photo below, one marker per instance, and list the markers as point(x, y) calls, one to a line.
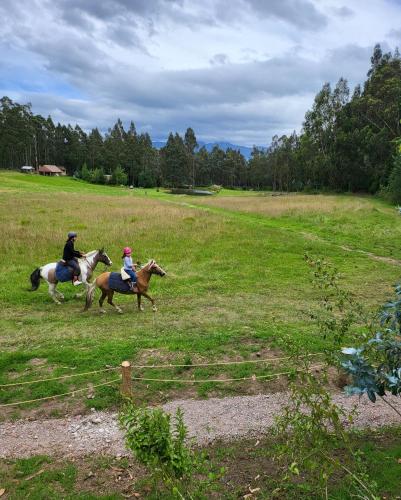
point(86, 174)
point(119, 176)
point(149, 435)
point(97, 176)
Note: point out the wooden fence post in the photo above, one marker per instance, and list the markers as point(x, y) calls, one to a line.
point(126, 381)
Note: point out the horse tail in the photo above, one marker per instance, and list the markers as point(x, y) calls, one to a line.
point(35, 279)
point(89, 295)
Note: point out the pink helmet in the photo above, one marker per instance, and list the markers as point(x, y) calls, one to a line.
point(127, 251)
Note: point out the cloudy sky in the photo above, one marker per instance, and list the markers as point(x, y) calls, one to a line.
point(235, 70)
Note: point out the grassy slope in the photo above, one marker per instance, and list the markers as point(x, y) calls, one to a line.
point(236, 279)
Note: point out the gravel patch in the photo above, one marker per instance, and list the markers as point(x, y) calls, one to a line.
point(207, 420)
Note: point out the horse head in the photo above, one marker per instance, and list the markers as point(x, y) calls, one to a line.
point(104, 258)
point(154, 268)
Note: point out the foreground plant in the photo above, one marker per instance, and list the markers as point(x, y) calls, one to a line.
point(375, 365)
point(161, 446)
point(313, 445)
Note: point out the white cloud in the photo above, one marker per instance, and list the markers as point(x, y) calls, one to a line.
point(239, 70)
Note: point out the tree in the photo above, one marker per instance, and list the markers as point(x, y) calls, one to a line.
point(174, 159)
point(191, 143)
point(98, 176)
point(86, 174)
point(118, 176)
point(95, 151)
point(394, 185)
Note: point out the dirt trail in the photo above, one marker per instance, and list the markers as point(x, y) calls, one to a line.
point(207, 420)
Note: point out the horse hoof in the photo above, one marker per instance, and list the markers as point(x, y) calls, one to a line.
point(141, 309)
point(120, 311)
point(154, 309)
point(103, 311)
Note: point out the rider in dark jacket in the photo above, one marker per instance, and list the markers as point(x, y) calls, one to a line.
point(70, 256)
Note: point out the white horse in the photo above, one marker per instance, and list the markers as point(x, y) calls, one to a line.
point(87, 264)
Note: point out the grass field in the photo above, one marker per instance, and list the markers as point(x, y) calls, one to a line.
point(236, 283)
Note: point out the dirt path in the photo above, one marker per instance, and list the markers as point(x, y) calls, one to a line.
point(207, 420)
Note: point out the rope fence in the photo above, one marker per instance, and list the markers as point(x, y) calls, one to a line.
point(170, 365)
point(127, 378)
point(71, 393)
point(29, 382)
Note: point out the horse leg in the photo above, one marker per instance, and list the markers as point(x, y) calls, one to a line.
point(110, 301)
point(52, 293)
point(154, 308)
point(140, 307)
point(59, 294)
point(85, 291)
point(85, 284)
point(101, 300)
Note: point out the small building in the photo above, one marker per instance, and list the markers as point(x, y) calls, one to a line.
point(27, 169)
point(51, 170)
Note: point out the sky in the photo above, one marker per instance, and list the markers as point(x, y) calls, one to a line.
point(234, 70)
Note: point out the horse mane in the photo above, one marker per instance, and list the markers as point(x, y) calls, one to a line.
point(91, 253)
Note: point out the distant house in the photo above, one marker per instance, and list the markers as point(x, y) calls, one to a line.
point(51, 170)
point(27, 169)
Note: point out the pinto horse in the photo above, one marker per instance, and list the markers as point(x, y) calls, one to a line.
point(87, 264)
point(142, 285)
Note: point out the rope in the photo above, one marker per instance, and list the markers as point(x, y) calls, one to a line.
point(138, 367)
point(197, 381)
point(58, 378)
point(72, 393)
point(219, 363)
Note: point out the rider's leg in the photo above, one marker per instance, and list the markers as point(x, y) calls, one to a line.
point(76, 271)
point(132, 281)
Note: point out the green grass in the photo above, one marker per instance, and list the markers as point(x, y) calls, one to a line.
point(236, 281)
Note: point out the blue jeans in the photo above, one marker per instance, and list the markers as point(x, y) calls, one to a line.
point(132, 274)
point(75, 267)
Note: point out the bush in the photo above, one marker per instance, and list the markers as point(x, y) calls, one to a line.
point(97, 176)
point(375, 365)
point(86, 174)
point(119, 176)
point(149, 436)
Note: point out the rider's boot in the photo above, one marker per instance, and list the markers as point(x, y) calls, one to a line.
point(132, 285)
point(75, 281)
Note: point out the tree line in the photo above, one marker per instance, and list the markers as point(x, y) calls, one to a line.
point(347, 143)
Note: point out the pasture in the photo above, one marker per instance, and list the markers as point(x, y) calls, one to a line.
point(236, 283)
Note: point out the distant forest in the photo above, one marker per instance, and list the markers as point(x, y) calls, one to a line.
point(347, 143)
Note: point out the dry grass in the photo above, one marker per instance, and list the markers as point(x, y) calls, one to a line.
point(289, 204)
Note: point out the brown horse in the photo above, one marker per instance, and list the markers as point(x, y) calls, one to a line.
point(142, 285)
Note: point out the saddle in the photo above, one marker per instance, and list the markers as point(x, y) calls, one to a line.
point(124, 275)
point(117, 283)
point(63, 272)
